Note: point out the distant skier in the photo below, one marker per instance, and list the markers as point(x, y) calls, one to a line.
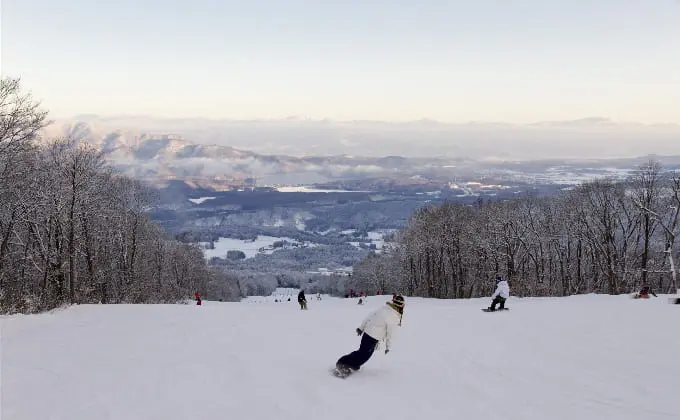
point(644, 293)
point(197, 296)
point(378, 326)
point(501, 294)
point(302, 300)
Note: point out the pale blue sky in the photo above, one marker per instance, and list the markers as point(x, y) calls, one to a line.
point(483, 60)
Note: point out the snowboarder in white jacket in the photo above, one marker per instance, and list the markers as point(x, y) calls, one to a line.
point(501, 294)
point(378, 326)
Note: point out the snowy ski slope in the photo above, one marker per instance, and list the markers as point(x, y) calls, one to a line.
point(576, 358)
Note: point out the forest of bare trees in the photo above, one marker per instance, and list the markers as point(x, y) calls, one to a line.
point(72, 230)
point(603, 237)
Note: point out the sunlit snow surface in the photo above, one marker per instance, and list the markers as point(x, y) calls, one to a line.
point(586, 357)
point(201, 199)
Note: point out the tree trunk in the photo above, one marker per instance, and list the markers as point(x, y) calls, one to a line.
point(72, 243)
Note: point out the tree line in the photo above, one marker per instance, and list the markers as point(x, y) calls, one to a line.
point(604, 236)
point(73, 230)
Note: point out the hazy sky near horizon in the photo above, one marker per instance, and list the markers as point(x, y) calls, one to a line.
point(454, 61)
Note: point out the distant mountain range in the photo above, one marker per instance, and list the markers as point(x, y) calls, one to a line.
point(321, 151)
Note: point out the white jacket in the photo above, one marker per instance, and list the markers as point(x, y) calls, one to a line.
point(502, 290)
point(381, 323)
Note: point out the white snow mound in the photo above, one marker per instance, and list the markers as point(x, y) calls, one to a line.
point(585, 357)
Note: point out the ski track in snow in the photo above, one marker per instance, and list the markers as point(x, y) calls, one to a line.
point(583, 357)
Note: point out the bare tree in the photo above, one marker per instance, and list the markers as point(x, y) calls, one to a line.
point(646, 186)
point(73, 230)
point(665, 210)
point(21, 120)
point(599, 237)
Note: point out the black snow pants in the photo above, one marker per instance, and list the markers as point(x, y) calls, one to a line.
point(357, 358)
point(496, 301)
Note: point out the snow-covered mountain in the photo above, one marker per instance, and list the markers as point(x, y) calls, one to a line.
point(582, 357)
point(177, 150)
point(586, 138)
point(164, 156)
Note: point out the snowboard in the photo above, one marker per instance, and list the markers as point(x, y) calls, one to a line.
point(342, 373)
point(497, 310)
point(674, 301)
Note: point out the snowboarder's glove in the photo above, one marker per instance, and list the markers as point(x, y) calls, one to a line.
point(387, 351)
point(359, 332)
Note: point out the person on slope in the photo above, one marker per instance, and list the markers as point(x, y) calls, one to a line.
point(501, 294)
point(378, 326)
point(302, 300)
point(644, 293)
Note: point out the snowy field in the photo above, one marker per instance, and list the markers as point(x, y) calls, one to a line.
point(249, 248)
point(308, 189)
point(263, 244)
point(586, 357)
point(201, 199)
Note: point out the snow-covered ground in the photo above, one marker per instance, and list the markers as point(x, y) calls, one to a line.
point(201, 199)
point(586, 357)
point(262, 245)
point(373, 237)
point(280, 294)
point(307, 189)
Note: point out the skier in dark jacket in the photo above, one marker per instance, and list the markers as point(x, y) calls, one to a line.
point(302, 300)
